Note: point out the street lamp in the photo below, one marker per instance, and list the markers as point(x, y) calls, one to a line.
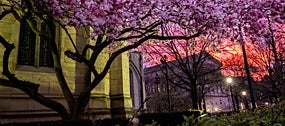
point(229, 81)
point(163, 61)
point(243, 93)
point(157, 81)
point(266, 103)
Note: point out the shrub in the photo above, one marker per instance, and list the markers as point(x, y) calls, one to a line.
point(166, 119)
point(268, 116)
point(112, 122)
point(54, 123)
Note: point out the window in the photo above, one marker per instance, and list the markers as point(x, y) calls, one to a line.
point(34, 50)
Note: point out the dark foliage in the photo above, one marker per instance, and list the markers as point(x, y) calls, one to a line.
point(104, 122)
point(53, 123)
point(166, 119)
point(112, 122)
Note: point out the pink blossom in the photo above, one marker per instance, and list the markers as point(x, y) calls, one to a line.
point(197, 15)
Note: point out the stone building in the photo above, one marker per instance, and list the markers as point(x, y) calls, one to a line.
point(216, 97)
point(137, 81)
point(30, 61)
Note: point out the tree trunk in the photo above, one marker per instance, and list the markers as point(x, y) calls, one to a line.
point(246, 104)
point(200, 103)
point(194, 96)
point(237, 103)
point(247, 71)
point(278, 62)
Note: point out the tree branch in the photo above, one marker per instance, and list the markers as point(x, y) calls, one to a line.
point(158, 37)
point(3, 14)
point(58, 69)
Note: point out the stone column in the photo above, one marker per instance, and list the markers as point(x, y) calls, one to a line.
point(137, 81)
point(121, 103)
point(81, 76)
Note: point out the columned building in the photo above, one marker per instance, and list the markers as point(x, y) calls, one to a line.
point(213, 95)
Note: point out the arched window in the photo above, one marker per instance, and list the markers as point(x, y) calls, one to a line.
point(27, 43)
point(45, 58)
point(33, 49)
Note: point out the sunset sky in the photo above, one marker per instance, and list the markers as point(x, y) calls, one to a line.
point(227, 52)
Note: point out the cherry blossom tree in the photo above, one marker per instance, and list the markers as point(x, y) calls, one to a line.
point(110, 24)
point(246, 20)
point(113, 23)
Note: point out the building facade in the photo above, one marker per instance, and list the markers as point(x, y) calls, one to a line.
point(214, 97)
point(218, 99)
point(31, 61)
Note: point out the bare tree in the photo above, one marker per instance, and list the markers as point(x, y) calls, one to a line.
point(186, 65)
